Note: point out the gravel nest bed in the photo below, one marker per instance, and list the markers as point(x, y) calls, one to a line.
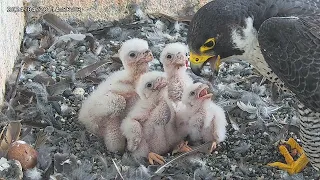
point(53, 82)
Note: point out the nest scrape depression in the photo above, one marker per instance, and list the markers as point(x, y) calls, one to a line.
point(61, 62)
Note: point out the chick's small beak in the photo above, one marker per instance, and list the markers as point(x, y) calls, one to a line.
point(161, 83)
point(180, 60)
point(203, 92)
point(147, 56)
point(198, 61)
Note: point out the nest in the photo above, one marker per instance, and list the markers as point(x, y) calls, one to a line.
point(61, 63)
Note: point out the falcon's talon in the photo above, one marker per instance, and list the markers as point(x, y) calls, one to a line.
point(292, 166)
point(294, 145)
point(155, 157)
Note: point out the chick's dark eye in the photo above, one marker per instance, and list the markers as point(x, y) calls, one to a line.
point(149, 85)
point(169, 56)
point(132, 54)
point(192, 93)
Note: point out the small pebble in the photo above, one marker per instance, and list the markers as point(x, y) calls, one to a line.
point(82, 48)
point(66, 93)
point(46, 57)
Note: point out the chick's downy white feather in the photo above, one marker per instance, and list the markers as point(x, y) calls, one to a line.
point(204, 120)
point(147, 126)
point(131, 126)
point(103, 111)
point(174, 57)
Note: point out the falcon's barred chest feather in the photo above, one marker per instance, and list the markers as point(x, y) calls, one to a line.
point(281, 52)
point(309, 120)
point(252, 52)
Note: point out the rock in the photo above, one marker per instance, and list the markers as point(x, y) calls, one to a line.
point(82, 48)
point(24, 153)
point(46, 57)
point(10, 170)
point(67, 93)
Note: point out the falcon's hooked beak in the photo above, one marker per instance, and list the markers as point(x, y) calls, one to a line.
point(198, 61)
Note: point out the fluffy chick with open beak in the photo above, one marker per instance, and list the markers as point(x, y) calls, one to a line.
point(103, 111)
point(148, 126)
point(174, 57)
point(206, 121)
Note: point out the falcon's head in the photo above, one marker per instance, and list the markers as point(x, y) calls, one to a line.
point(218, 31)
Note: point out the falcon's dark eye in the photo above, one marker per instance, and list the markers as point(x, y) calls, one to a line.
point(132, 54)
point(209, 44)
point(149, 85)
point(169, 56)
point(192, 93)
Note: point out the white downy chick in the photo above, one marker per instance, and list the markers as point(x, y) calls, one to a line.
point(174, 57)
point(205, 120)
point(146, 125)
point(105, 108)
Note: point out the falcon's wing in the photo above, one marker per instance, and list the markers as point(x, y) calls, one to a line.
point(291, 47)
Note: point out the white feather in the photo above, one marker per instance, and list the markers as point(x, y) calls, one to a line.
point(250, 45)
point(247, 107)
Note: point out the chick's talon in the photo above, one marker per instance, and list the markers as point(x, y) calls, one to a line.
point(182, 147)
point(155, 157)
point(213, 147)
point(291, 166)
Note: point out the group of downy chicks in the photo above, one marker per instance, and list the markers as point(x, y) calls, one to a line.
point(151, 113)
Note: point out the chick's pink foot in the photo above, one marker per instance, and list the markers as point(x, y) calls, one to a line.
point(155, 157)
point(182, 147)
point(213, 147)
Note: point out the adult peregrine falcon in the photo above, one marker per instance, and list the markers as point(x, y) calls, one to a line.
point(281, 38)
